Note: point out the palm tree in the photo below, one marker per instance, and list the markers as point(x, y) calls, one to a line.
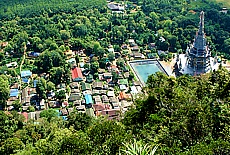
point(138, 148)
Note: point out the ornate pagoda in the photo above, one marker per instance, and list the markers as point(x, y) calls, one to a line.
point(198, 53)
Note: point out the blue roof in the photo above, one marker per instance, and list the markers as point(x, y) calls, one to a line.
point(26, 73)
point(64, 118)
point(88, 99)
point(35, 83)
point(25, 80)
point(81, 64)
point(58, 112)
point(34, 54)
point(14, 92)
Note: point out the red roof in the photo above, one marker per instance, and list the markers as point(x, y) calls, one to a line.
point(25, 114)
point(76, 73)
point(122, 96)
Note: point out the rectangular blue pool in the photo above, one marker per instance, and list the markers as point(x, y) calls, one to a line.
point(144, 68)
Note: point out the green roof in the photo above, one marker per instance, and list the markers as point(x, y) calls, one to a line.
point(85, 86)
point(123, 82)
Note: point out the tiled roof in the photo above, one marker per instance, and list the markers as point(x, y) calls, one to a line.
point(76, 73)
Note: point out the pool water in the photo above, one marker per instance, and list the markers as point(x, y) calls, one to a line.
point(143, 70)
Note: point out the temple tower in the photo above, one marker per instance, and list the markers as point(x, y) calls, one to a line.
point(198, 52)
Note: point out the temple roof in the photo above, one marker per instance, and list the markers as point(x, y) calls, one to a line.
point(200, 41)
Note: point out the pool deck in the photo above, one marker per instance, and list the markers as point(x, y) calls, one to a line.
point(163, 66)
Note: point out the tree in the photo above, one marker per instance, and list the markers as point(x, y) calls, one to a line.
point(77, 59)
point(48, 59)
point(120, 62)
point(50, 86)
point(100, 52)
point(11, 146)
point(2, 56)
point(115, 77)
point(107, 136)
point(65, 35)
point(31, 109)
point(94, 66)
point(102, 62)
point(76, 143)
point(96, 46)
point(80, 121)
point(17, 105)
point(60, 95)
point(80, 30)
point(49, 114)
point(111, 56)
point(9, 123)
point(4, 90)
point(56, 75)
point(137, 148)
point(41, 88)
point(226, 46)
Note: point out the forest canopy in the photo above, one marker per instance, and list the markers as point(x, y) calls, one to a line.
point(30, 8)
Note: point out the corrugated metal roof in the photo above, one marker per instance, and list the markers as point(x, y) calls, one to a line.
point(88, 99)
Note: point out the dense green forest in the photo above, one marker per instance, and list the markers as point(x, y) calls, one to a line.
point(84, 24)
point(185, 115)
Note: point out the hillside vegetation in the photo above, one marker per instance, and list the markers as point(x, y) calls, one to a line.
point(28, 8)
point(184, 115)
point(226, 3)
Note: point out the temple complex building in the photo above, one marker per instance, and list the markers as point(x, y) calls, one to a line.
point(197, 59)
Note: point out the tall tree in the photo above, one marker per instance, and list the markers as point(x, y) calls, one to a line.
point(4, 90)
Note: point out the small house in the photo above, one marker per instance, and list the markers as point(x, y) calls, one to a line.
point(77, 74)
point(105, 99)
point(74, 85)
point(103, 92)
point(14, 93)
point(123, 82)
point(88, 101)
point(95, 92)
point(89, 78)
point(12, 65)
point(64, 112)
point(134, 90)
point(107, 75)
point(77, 103)
point(111, 113)
point(110, 94)
point(97, 85)
point(113, 100)
point(123, 87)
point(97, 99)
point(26, 74)
point(33, 54)
point(81, 108)
point(85, 86)
point(74, 97)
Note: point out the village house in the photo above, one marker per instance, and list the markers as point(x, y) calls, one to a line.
point(97, 85)
point(88, 101)
point(12, 65)
point(107, 75)
point(105, 99)
point(97, 99)
point(85, 86)
point(111, 113)
point(81, 108)
point(77, 74)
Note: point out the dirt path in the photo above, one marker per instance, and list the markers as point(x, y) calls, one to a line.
point(23, 59)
